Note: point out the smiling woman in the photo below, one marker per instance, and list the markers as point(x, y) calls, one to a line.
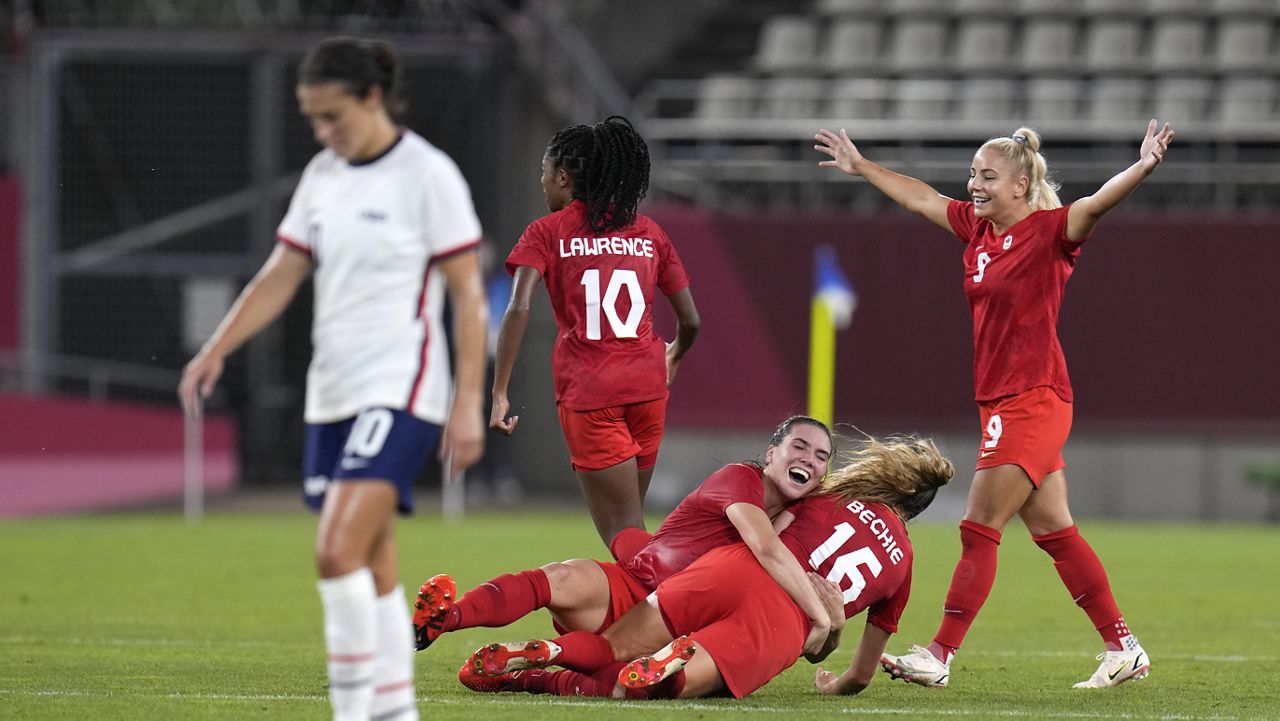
point(384, 209)
point(1020, 249)
point(739, 502)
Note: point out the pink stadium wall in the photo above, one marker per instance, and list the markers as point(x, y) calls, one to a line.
point(1169, 322)
point(60, 455)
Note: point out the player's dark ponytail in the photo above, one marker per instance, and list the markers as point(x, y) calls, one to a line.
point(359, 65)
point(609, 164)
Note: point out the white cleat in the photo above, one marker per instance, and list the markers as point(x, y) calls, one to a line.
point(919, 666)
point(1118, 667)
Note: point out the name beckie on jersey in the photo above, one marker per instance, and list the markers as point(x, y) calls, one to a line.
point(878, 527)
point(639, 247)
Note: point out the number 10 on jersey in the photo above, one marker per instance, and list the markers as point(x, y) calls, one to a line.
point(618, 279)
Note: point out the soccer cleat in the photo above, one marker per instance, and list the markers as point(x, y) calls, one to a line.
point(649, 670)
point(499, 658)
point(468, 677)
point(919, 666)
point(435, 598)
point(1118, 667)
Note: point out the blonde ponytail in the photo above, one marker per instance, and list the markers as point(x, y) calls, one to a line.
point(1022, 148)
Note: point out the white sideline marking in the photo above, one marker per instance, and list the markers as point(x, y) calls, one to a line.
point(645, 708)
point(62, 641)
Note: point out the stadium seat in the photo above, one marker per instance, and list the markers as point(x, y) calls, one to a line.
point(1179, 43)
point(919, 7)
point(1049, 45)
point(783, 97)
point(1069, 8)
point(855, 99)
point(787, 43)
point(854, 45)
point(1182, 99)
point(984, 43)
point(1165, 8)
point(1244, 44)
point(725, 96)
point(981, 7)
point(1114, 44)
point(1118, 99)
point(919, 44)
point(1095, 8)
point(923, 99)
point(841, 7)
point(1248, 100)
point(1053, 99)
point(1252, 7)
point(989, 99)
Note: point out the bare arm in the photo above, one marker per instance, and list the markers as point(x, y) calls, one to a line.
point(688, 323)
point(514, 321)
point(756, 530)
point(260, 303)
point(834, 600)
point(914, 195)
point(861, 669)
point(1085, 213)
point(463, 440)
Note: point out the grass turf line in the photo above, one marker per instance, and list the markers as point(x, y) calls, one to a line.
point(140, 616)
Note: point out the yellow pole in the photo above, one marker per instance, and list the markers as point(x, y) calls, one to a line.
point(822, 362)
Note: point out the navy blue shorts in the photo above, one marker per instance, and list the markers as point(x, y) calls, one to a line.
point(378, 443)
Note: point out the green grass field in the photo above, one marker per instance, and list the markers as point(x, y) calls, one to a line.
point(140, 616)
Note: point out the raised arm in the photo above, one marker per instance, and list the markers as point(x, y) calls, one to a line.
point(463, 440)
point(514, 321)
point(916, 196)
point(756, 530)
point(861, 669)
point(261, 302)
point(688, 323)
point(1085, 213)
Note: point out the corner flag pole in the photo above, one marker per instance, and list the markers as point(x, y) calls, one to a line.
point(831, 309)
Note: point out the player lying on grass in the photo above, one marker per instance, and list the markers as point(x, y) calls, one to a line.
point(735, 504)
point(721, 626)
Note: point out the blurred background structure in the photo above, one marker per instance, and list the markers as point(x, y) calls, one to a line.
point(150, 146)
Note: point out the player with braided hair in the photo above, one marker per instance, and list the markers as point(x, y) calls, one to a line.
point(601, 260)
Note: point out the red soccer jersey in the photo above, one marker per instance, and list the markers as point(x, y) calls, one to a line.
point(861, 547)
point(607, 353)
point(1014, 283)
point(698, 524)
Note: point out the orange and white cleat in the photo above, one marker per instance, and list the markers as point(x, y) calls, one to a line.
point(435, 598)
point(499, 658)
point(649, 670)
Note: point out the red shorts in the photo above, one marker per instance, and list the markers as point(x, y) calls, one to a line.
point(625, 592)
point(738, 614)
point(1027, 430)
point(606, 437)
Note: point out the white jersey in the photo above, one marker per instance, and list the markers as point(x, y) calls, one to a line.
point(375, 231)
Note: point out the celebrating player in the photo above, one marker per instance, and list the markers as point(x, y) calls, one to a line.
point(385, 221)
point(723, 626)
point(735, 504)
point(1021, 246)
point(601, 261)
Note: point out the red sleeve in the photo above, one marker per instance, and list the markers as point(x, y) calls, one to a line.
point(886, 613)
point(963, 222)
point(735, 483)
point(533, 249)
point(1070, 248)
point(672, 277)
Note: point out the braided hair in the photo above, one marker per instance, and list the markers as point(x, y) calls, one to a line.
point(609, 164)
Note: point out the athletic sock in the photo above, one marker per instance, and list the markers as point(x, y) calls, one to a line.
point(350, 633)
point(501, 601)
point(628, 542)
point(393, 692)
point(583, 651)
point(570, 683)
point(970, 584)
point(1086, 580)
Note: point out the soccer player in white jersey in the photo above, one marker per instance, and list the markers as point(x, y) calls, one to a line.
point(385, 222)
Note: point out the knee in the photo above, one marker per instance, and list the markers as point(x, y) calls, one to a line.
point(333, 560)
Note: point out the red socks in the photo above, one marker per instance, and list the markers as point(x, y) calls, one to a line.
point(501, 601)
point(599, 684)
point(970, 584)
point(1085, 578)
point(584, 651)
point(628, 542)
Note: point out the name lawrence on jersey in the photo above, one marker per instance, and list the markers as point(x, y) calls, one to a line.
point(639, 247)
